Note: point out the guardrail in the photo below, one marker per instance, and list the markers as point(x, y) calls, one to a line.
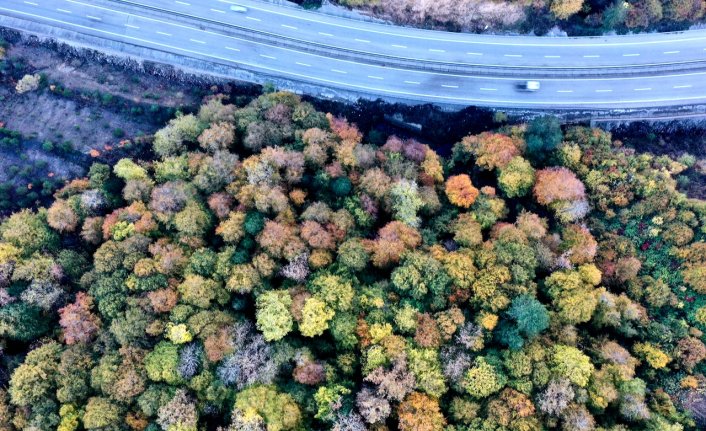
point(384, 60)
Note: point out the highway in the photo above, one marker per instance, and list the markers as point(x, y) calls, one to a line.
point(396, 62)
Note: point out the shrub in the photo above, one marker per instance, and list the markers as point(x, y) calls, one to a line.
point(28, 83)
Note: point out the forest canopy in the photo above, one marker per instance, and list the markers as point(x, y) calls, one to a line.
point(272, 270)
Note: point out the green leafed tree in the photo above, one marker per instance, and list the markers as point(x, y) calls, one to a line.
point(517, 178)
point(162, 363)
point(483, 379)
point(278, 410)
point(274, 317)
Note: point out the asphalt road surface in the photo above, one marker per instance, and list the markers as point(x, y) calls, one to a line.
point(605, 72)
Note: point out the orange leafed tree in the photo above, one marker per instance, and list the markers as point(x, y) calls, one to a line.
point(217, 137)
point(493, 150)
point(420, 412)
point(557, 184)
point(510, 406)
point(77, 321)
point(393, 239)
point(460, 190)
point(62, 217)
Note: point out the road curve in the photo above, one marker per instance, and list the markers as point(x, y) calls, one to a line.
point(611, 70)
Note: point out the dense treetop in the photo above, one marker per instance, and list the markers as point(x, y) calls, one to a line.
point(271, 270)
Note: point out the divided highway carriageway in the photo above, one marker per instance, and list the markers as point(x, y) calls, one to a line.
point(644, 70)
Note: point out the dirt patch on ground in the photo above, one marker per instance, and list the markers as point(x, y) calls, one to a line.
point(45, 117)
point(78, 73)
point(88, 105)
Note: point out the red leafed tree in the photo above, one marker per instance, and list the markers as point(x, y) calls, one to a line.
point(77, 321)
point(344, 130)
point(317, 237)
point(557, 184)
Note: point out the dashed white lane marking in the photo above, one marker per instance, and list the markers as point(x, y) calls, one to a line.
point(231, 49)
point(182, 2)
point(303, 64)
point(643, 89)
point(449, 86)
point(362, 40)
point(412, 82)
point(513, 55)
point(288, 26)
point(339, 71)
point(552, 56)
point(93, 17)
point(488, 89)
point(436, 50)
point(132, 26)
point(68, 11)
point(375, 77)
point(252, 18)
point(198, 41)
point(31, 3)
point(163, 33)
point(474, 53)
point(399, 46)
point(682, 86)
point(631, 55)
point(565, 91)
point(325, 34)
point(591, 56)
point(218, 11)
point(268, 56)
point(603, 91)
point(670, 52)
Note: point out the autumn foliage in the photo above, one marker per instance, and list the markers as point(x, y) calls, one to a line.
point(79, 324)
point(492, 150)
point(275, 268)
point(557, 184)
point(460, 191)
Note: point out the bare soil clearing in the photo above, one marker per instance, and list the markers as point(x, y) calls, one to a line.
point(53, 116)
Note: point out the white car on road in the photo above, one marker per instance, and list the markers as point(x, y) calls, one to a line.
point(530, 86)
